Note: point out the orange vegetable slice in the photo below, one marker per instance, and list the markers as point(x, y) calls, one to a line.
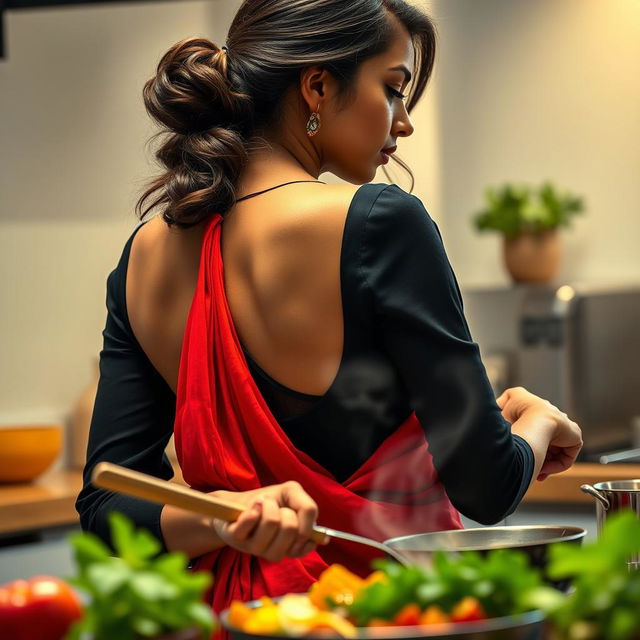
point(468, 609)
point(434, 615)
point(239, 613)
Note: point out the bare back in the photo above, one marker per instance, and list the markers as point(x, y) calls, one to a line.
point(281, 254)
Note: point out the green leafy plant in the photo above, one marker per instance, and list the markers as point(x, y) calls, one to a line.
point(604, 603)
point(499, 580)
point(515, 209)
point(137, 593)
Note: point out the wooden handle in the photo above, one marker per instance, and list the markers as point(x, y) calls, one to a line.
point(141, 485)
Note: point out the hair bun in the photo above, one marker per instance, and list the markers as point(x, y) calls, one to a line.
point(190, 91)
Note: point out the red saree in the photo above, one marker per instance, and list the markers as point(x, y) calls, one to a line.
point(226, 438)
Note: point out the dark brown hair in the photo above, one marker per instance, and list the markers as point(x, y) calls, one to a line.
point(211, 103)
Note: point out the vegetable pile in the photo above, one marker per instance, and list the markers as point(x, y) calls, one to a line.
point(140, 593)
point(603, 604)
point(459, 588)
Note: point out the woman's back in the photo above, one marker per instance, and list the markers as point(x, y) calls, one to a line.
point(348, 296)
point(349, 317)
point(281, 252)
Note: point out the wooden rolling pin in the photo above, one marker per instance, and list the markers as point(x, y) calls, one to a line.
point(141, 485)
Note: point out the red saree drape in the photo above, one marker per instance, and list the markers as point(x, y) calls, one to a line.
point(227, 438)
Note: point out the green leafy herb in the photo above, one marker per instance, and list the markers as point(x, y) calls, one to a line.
point(516, 209)
point(604, 603)
point(498, 580)
point(137, 593)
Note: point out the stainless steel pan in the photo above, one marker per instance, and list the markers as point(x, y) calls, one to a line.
point(533, 540)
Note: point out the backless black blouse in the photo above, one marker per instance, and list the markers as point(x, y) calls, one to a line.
point(407, 347)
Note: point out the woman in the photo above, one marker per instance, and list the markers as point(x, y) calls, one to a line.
point(302, 379)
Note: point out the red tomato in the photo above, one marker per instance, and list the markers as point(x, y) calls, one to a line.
point(468, 610)
point(42, 608)
point(407, 616)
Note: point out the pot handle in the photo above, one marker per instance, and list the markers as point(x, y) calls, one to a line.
point(592, 491)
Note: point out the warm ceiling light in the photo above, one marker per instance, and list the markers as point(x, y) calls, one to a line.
point(565, 293)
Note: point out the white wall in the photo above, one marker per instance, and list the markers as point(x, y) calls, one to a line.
point(72, 164)
point(522, 91)
point(534, 90)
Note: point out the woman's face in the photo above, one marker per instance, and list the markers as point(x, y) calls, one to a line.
point(352, 139)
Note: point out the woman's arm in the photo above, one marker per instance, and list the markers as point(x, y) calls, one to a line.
point(485, 466)
point(555, 439)
point(131, 423)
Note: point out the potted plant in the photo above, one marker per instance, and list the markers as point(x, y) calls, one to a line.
point(529, 220)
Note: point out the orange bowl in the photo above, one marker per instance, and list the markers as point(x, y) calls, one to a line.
point(27, 451)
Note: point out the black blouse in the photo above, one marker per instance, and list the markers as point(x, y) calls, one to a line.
point(407, 347)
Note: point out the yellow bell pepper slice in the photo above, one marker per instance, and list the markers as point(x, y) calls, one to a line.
point(239, 613)
point(264, 620)
point(333, 622)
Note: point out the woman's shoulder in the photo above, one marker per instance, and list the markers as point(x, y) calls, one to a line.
point(396, 221)
point(392, 201)
point(161, 261)
point(327, 207)
point(161, 255)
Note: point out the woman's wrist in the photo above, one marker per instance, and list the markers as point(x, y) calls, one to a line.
point(189, 532)
point(544, 421)
point(538, 427)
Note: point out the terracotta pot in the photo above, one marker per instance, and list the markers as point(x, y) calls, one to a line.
point(533, 257)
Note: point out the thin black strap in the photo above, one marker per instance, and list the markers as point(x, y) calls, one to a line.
point(251, 195)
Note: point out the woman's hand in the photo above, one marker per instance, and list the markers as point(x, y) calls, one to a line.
point(564, 435)
point(277, 522)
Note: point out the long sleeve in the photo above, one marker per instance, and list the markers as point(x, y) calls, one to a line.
point(484, 468)
point(132, 419)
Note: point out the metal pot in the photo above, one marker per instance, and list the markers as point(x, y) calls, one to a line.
point(533, 540)
point(612, 497)
point(526, 626)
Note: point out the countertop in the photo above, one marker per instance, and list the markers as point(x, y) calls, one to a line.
point(46, 502)
point(49, 500)
point(565, 487)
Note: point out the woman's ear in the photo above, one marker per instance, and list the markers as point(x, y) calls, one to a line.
point(316, 86)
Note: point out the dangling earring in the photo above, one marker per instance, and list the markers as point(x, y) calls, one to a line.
point(313, 123)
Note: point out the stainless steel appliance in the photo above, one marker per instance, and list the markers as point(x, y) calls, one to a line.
point(578, 346)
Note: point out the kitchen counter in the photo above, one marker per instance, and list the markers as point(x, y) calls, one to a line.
point(49, 500)
point(46, 502)
point(565, 487)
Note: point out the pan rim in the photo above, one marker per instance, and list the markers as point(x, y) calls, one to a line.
point(576, 533)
